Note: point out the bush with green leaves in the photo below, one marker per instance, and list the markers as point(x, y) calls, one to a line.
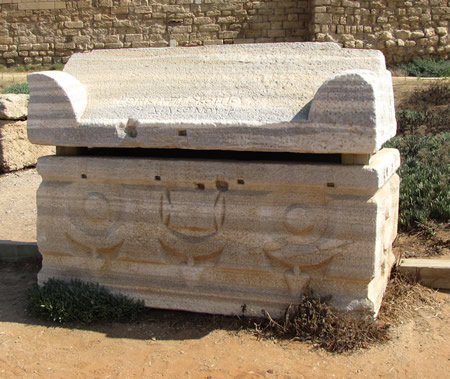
point(424, 173)
point(20, 88)
point(77, 301)
point(427, 122)
point(427, 67)
point(426, 111)
point(437, 93)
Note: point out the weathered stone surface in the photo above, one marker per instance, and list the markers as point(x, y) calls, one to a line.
point(213, 234)
point(221, 236)
point(16, 151)
point(13, 106)
point(299, 97)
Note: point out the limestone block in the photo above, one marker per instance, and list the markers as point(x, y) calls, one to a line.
point(16, 151)
point(263, 97)
point(221, 236)
point(13, 106)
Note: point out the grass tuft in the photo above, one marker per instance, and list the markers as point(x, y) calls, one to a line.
point(77, 301)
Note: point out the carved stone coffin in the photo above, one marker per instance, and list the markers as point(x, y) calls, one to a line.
point(205, 230)
point(221, 236)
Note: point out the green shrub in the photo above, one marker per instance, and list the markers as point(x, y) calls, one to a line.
point(76, 301)
point(17, 88)
point(409, 121)
point(427, 67)
point(436, 94)
point(424, 173)
point(423, 122)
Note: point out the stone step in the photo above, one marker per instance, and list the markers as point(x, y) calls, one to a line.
point(14, 251)
point(433, 273)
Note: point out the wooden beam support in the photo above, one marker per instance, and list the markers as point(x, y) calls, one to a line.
point(355, 159)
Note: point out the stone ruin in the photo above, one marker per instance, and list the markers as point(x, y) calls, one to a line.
point(16, 151)
point(220, 179)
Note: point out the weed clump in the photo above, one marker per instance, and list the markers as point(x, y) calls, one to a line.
point(315, 321)
point(77, 301)
point(18, 88)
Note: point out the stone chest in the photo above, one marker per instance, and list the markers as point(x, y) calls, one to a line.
point(219, 179)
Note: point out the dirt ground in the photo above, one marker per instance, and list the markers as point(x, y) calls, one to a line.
point(180, 344)
point(18, 205)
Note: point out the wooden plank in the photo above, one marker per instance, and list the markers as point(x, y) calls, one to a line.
point(433, 273)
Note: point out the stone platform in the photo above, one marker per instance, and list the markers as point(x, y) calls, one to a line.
point(16, 151)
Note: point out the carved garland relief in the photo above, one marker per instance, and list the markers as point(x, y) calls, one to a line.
point(191, 222)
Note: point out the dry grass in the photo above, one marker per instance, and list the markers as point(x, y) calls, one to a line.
point(403, 297)
point(315, 321)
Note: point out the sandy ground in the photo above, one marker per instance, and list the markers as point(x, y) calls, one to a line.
point(18, 205)
point(184, 345)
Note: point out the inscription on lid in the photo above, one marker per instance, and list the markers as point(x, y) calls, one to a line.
point(297, 97)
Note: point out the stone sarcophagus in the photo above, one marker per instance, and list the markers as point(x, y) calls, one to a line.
point(220, 179)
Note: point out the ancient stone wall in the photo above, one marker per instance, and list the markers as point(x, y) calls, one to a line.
point(49, 31)
point(401, 29)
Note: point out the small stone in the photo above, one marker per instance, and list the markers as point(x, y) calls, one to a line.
point(403, 34)
point(16, 151)
point(390, 44)
point(386, 36)
point(417, 34)
point(13, 106)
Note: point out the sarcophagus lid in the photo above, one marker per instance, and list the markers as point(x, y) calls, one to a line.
point(291, 97)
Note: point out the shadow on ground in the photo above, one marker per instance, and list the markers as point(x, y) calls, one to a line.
point(17, 277)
